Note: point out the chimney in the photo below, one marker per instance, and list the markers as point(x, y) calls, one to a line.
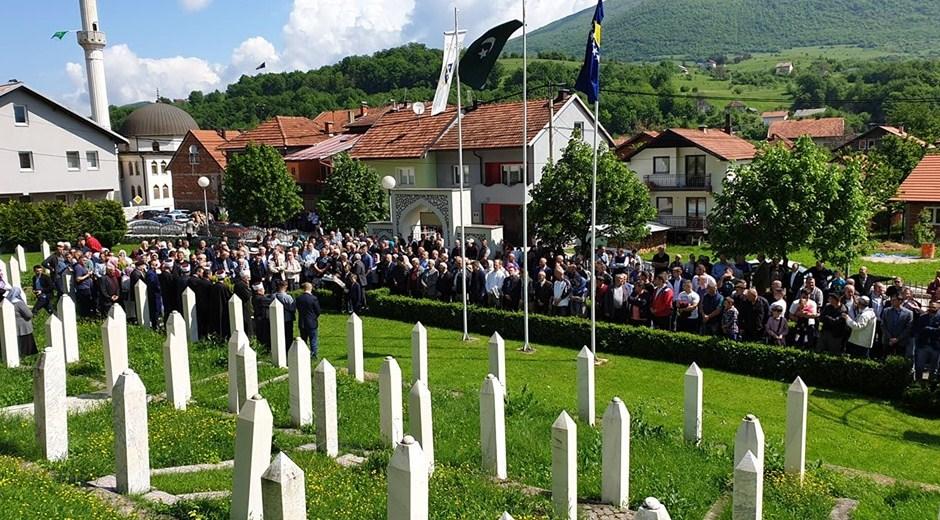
point(351, 116)
point(703, 128)
point(563, 95)
point(728, 123)
point(221, 133)
point(329, 127)
point(363, 109)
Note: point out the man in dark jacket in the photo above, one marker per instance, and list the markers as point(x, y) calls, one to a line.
point(308, 314)
point(512, 290)
point(243, 291)
point(42, 290)
point(154, 296)
point(109, 289)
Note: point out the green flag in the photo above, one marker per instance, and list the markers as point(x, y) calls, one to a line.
point(59, 34)
point(477, 63)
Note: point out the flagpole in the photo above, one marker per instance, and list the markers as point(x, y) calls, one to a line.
point(593, 266)
point(463, 229)
point(525, 183)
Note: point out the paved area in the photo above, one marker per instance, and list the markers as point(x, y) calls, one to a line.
point(843, 509)
point(77, 404)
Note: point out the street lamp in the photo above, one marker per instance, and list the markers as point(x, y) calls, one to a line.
point(204, 183)
point(388, 182)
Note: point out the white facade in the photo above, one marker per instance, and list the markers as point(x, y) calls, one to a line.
point(682, 193)
point(48, 152)
point(144, 172)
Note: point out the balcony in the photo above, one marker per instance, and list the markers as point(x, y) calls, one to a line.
point(684, 223)
point(660, 182)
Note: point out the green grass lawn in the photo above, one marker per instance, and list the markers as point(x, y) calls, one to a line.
point(843, 430)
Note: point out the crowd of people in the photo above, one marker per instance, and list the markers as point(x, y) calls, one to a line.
point(770, 300)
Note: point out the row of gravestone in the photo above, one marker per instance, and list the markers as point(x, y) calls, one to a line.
point(61, 331)
point(51, 407)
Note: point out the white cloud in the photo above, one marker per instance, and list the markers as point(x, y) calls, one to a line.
point(251, 53)
point(194, 5)
point(319, 32)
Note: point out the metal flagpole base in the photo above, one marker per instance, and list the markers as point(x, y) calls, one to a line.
point(600, 361)
point(526, 349)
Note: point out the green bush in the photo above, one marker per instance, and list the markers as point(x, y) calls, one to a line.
point(29, 223)
point(884, 380)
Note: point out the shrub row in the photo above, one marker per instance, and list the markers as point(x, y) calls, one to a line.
point(883, 380)
point(29, 223)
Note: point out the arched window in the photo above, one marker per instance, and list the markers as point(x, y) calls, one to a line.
point(162, 166)
point(153, 167)
point(166, 191)
point(156, 191)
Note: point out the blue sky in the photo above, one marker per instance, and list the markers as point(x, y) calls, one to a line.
point(182, 45)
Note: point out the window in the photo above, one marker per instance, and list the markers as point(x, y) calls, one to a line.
point(26, 161)
point(579, 128)
point(456, 175)
point(156, 146)
point(20, 115)
point(511, 174)
point(660, 165)
point(153, 168)
point(695, 165)
point(92, 159)
point(121, 170)
point(406, 176)
point(61, 197)
point(695, 207)
point(166, 191)
point(74, 161)
point(77, 197)
point(156, 191)
point(193, 154)
point(163, 167)
point(26, 199)
point(664, 206)
point(934, 215)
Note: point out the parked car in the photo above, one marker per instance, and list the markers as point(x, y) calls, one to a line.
point(149, 214)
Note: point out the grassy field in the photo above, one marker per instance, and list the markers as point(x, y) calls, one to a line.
point(843, 430)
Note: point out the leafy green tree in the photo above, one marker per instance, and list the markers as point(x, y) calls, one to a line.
point(352, 196)
point(775, 204)
point(842, 235)
point(561, 201)
point(257, 188)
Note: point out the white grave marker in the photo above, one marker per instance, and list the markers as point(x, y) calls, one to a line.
point(420, 421)
point(615, 463)
point(419, 356)
point(586, 386)
point(324, 387)
point(565, 467)
point(299, 383)
point(252, 456)
point(408, 482)
point(692, 426)
point(114, 344)
point(176, 362)
point(131, 442)
point(354, 360)
point(493, 427)
point(50, 405)
point(390, 412)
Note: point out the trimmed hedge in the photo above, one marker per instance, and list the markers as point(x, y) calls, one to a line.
point(29, 223)
point(884, 380)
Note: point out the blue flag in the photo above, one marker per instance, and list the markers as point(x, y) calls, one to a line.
point(589, 78)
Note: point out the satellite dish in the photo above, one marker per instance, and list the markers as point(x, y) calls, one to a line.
point(418, 108)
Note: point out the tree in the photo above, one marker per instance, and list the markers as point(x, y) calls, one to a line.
point(561, 202)
point(352, 196)
point(774, 204)
point(842, 235)
point(258, 190)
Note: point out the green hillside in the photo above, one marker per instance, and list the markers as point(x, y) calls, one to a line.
point(641, 30)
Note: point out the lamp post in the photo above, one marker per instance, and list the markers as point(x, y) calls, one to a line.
point(389, 183)
point(204, 183)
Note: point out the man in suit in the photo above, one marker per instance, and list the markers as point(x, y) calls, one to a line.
point(42, 290)
point(109, 289)
point(308, 312)
point(863, 282)
point(793, 281)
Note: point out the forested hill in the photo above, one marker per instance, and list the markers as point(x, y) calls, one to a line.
point(697, 29)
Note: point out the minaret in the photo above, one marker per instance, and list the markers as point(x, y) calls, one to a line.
point(93, 41)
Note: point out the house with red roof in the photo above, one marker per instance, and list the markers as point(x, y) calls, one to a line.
point(827, 132)
point(421, 153)
point(311, 166)
point(921, 191)
point(683, 169)
point(871, 138)
point(200, 155)
point(287, 134)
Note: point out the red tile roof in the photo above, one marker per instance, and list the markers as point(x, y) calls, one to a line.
point(280, 132)
point(634, 143)
point(497, 125)
point(793, 129)
point(326, 149)
point(211, 141)
point(923, 184)
point(776, 113)
point(402, 135)
point(716, 142)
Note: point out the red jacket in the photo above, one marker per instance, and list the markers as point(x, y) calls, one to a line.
point(662, 302)
point(93, 244)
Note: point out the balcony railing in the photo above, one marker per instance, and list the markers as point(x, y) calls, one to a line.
point(678, 182)
point(684, 223)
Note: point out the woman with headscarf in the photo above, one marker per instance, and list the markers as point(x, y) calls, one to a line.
point(24, 322)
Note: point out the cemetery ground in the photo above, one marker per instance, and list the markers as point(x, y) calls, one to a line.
point(844, 431)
